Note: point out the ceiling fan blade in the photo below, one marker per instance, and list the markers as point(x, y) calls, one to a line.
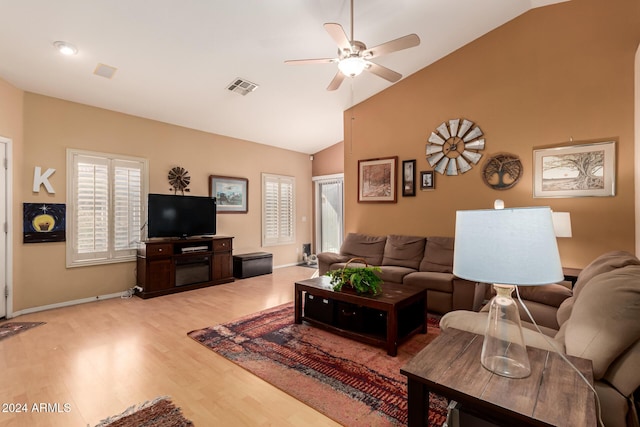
point(337, 81)
point(338, 35)
point(405, 42)
point(311, 61)
point(383, 72)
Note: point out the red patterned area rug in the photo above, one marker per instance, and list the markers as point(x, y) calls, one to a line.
point(10, 329)
point(160, 412)
point(353, 383)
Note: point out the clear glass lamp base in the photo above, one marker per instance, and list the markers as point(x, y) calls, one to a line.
point(503, 349)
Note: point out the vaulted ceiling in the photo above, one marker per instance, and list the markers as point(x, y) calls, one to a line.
point(175, 59)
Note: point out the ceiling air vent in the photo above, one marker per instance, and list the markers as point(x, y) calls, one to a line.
point(105, 71)
point(242, 86)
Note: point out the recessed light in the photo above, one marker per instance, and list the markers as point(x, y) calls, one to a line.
point(65, 48)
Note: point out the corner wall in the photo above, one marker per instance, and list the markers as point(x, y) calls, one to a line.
point(556, 73)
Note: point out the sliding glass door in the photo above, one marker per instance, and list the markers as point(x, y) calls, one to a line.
point(329, 213)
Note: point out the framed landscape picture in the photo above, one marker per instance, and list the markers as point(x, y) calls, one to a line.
point(377, 180)
point(584, 170)
point(232, 194)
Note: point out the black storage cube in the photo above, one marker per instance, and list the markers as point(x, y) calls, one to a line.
point(375, 321)
point(252, 264)
point(350, 316)
point(317, 308)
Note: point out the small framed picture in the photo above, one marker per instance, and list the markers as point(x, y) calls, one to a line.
point(232, 194)
point(408, 178)
point(427, 180)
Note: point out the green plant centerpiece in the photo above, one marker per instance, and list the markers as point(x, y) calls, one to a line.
point(362, 279)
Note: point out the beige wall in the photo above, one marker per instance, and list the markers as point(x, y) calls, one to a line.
point(52, 125)
point(554, 74)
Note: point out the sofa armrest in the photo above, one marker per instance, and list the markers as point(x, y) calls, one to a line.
point(471, 321)
point(326, 259)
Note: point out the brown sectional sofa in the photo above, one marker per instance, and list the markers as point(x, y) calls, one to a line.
point(425, 261)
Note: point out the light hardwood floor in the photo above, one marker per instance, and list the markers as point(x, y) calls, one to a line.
point(100, 358)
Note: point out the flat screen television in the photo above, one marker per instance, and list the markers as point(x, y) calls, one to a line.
point(180, 216)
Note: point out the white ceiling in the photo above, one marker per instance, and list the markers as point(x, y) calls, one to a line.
point(175, 58)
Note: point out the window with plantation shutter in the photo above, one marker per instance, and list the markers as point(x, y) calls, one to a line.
point(105, 207)
point(278, 209)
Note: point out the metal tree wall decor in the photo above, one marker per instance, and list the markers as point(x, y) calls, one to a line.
point(454, 147)
point(502, 171)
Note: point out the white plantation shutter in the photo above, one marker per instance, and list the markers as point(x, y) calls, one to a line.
point(278, 209)
point(105, 209)
point(127, 204)
point(91, 201)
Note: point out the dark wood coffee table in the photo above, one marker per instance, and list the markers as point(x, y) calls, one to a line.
point(393, 300)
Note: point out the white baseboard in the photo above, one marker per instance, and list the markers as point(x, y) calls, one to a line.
point(64, 304)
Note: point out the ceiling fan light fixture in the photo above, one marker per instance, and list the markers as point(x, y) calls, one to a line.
point(65, 48)
point(352, 66)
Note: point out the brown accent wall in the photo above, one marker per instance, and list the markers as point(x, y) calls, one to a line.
point(52, 125)
point(329, 161)
point(554, 74)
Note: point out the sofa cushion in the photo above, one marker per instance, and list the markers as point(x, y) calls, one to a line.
point(394, 274)
point(371, 248)
point(430, 280)
point(404, 251)
point(552, 295)
point(438, 255)
point(604, 320)
point(604, 263)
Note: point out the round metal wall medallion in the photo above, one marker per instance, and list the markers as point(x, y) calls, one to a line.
point(502, 171)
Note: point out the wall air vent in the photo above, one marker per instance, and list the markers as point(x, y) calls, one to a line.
point(105, 71)
point(242, 86)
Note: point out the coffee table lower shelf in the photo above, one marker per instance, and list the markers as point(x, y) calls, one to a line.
point(372, 339)
point(403, 309)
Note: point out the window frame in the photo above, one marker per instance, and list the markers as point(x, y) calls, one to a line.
point(111, 255)
point(279, 239)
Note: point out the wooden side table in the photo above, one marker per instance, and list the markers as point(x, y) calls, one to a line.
point(571, 274)
point(553, 395)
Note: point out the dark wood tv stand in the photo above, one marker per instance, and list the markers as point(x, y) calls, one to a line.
point(166, 266)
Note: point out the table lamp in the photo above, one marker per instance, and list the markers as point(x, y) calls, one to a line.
point(506, 247)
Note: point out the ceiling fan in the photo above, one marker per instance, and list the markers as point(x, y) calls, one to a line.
point(354, 57)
